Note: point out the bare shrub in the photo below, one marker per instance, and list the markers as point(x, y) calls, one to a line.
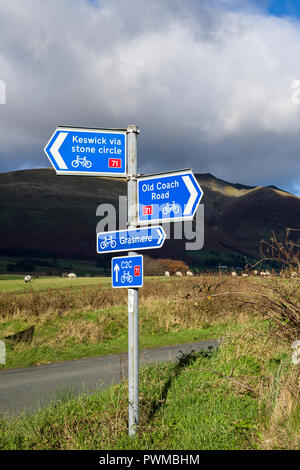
point(153, 267)
point(37, 303)
point(286, 252)
point(158, 267)
point(192, 302)
point(277, 298)
point(174, 265)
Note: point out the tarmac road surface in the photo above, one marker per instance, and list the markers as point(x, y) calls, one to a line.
point(30, 388)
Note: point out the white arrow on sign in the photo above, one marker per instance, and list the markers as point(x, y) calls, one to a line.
point(55, 150)
point(161, 235)
point(117, 269)
point(193, 196)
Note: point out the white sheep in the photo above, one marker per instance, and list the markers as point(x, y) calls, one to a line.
point(255, 272)
point(233, 274)
point(189, 273)
point(71, 276)
point(27, 278)
point(178, 273)
point(167, 273)
point(262, 273)
point(244, 275)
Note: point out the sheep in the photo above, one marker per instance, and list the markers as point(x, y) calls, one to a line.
point(233, 274)
point(178, 273)
point(189, 273)
point(244, 275)
point(265, 273)
point(293, 274)
point(71, 276)
point(255, 272)
point(27, 278)
point(167, 273)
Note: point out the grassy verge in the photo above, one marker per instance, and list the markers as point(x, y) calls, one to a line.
point(237, 398)
point(23, 356)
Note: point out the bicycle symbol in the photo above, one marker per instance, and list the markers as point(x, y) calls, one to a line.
point(81, 161)
point(170, 208)
point(108, 241)
point(126, 277)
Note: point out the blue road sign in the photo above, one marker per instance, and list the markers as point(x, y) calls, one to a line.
point(89, 152)
point(131, 239)
point(168, 197)
point(127, 271)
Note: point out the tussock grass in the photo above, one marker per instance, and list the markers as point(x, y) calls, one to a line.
point(39, 304)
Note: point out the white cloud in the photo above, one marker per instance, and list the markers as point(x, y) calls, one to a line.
point(209, 84)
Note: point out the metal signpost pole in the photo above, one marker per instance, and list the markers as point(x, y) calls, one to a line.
point(179, 190)
point(133, 294)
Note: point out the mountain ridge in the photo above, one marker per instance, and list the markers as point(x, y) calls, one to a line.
point(56, 215)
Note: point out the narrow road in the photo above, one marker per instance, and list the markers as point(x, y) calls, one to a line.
point(30, 388)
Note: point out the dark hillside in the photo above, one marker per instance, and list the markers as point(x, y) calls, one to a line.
point(44, 215)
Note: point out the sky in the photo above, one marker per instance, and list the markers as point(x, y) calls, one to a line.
point(213, 85)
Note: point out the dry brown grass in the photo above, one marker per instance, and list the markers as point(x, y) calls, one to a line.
point(185, 298)
point(282, 430)
point(204, 298)
point(170, 305)
point(35, 304)
point(278, 300)
point(166, 306)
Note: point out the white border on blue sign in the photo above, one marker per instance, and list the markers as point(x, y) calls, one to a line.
point(132, 230)
point(174, 219)
point(91, 173)
point(128, 287)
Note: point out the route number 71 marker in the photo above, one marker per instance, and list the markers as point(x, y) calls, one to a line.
point(127, 271)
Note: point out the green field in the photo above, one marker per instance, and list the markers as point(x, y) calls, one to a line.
point(12, 283)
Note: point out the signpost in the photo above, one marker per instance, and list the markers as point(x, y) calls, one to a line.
point(133, 239)
point(168, 197)
point(151, 199)
point(88, 152)
point(127, 271)
point(133, 293)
